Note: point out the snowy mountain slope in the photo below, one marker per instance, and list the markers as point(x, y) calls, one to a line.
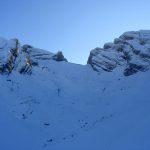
point(59, 105)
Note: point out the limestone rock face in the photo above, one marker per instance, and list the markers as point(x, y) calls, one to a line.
point(14, 57)
point(131, 51)
point(59, 56)
point(9, 50)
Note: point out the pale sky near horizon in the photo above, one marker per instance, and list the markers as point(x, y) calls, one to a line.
point(72, 26)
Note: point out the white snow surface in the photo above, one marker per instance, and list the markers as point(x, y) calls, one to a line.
point(68, 106)
point(65, 106)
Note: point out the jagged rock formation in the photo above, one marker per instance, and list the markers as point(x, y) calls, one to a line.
point(59, 56)
point(13, 56)
point(131, 51)
point(8, 53)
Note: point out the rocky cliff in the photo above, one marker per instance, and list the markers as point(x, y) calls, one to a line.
point(13, 56)
point(131, 52)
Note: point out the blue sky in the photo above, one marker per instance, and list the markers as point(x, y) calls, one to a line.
point(72, 26)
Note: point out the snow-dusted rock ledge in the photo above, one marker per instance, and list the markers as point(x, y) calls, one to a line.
point(131, 51)
point(13, 56)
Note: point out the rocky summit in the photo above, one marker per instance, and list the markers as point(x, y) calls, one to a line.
point(130, 52)
point(14, 57)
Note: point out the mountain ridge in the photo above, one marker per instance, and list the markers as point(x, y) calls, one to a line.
point(131, 51)
point(47, 103)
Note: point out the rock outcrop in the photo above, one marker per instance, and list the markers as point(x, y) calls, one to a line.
point(13, 56)
point(9, 51)
point(131, 51)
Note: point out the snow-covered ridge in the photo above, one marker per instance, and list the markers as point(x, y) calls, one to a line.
point(131, 51)
point(14, 57)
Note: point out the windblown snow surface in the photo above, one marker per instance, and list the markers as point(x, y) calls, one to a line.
point(65, 106)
